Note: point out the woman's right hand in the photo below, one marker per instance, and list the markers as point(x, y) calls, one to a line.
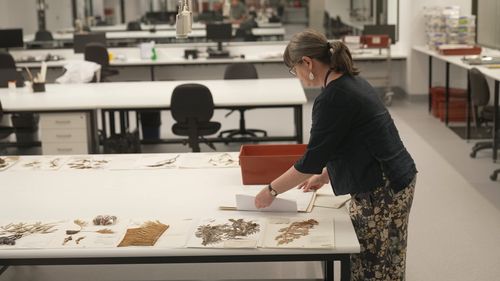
point(315, 182)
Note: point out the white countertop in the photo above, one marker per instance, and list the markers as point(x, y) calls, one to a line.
point(135, 95)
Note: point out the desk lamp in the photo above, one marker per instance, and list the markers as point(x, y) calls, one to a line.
point(184, 19)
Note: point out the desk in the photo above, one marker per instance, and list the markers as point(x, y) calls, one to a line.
point(278, 32)
point(36, 195)
point(227, 94)
point(146, 27)
point(457, 60)
point(171, 55)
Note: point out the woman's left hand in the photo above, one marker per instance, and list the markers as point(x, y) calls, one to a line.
point(263, 199)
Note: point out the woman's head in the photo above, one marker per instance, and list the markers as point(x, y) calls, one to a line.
point(309, 46)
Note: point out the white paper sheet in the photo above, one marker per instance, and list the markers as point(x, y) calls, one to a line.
point(32, 241)
point(83, 163)
point(247, 203)
point(304, 200)
point(7, 162)
point(248, 241)
point(331, 201)
point(208, 160)
point(320, 235)
point(42, 163)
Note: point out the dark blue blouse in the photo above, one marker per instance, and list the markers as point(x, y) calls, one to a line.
point(354, 137)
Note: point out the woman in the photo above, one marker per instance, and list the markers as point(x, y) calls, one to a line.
point(355, 146)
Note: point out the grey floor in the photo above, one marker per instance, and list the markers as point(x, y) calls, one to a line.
point(454, 225)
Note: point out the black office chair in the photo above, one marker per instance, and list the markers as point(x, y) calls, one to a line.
point(192, 108)
point(134, 26)
point(481, 111)
point(5, 131)
point(97, 52)
point(241, 71)
point(7, 61)
point(43, 35)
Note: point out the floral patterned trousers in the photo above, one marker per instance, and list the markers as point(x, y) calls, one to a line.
point(380, 219)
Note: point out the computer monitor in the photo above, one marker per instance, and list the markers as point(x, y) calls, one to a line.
point(11, 38)
point(81, 40)
point(219, 32)
point(389, 29)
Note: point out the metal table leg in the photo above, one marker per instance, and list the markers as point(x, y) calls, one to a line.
point(495, 122)
point(3, 269)
point(447, 93)
point(328, 270)
point(430, 83)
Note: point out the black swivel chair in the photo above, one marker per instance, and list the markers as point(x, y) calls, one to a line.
point(7, 61)
point(97, 52)
point(134, 26)
point(43, 35)
point(5, 131)
point(241, 71)
point(192, 108)
point(482, 112)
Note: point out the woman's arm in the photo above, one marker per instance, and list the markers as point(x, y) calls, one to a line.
point(288, 180)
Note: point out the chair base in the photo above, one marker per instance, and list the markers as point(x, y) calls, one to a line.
point(494, 175)
point(232, 134)
point(480, 146)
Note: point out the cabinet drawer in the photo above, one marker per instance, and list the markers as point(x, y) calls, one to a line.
point(63, 120)
point(64, 135)
point(64, 148)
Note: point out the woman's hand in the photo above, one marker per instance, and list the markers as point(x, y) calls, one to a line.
point(263, 199)
point(313, 183)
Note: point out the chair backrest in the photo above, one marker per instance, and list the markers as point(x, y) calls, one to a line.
point(7, 61)
point(191, 101)
point(241, 71)
point(479, 89)
point(43, 35)
point(97, 52)
point(134, 26)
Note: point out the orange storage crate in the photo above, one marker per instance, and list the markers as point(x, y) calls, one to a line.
point(261, 164)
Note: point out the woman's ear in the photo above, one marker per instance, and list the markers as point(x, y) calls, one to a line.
point(308, 62)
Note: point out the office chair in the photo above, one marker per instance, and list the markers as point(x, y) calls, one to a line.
point(43, 35)
point(241, 71)
point(134, 26)
point(192, 108)
point(97, 52)
point(481, 111)
point(7, 61)
point(5, 131)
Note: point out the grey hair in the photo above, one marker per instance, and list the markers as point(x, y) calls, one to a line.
point(313, 44)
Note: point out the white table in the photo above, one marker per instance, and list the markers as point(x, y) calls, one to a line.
point(168, 194)
point(457, 60)
point(160, 34)
point(171, 55)
point(196, 25)
point(227, 94)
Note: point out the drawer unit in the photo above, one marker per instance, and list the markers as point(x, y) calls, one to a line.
point(64, 148)
point(65, 133)
point(63, 120)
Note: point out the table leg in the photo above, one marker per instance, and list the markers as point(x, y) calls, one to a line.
point(152, 71)
point(447, 94)
point(94, 135)
point(430, 83)
point(3, 269)
point(495, 123)
point(345, 268)
point(468, 109)
point(328, 270)
point(297, 110)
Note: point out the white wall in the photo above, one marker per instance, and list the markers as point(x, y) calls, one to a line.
point(19, 14)
point(58, 15)
point(413, 30)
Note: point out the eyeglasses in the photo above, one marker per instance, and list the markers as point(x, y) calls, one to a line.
point(292, 69)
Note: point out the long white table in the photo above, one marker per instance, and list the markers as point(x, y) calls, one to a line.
point(457, 61)
point(268, 55)
point(227, 94)
point(278, 32)
point(166, 194)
